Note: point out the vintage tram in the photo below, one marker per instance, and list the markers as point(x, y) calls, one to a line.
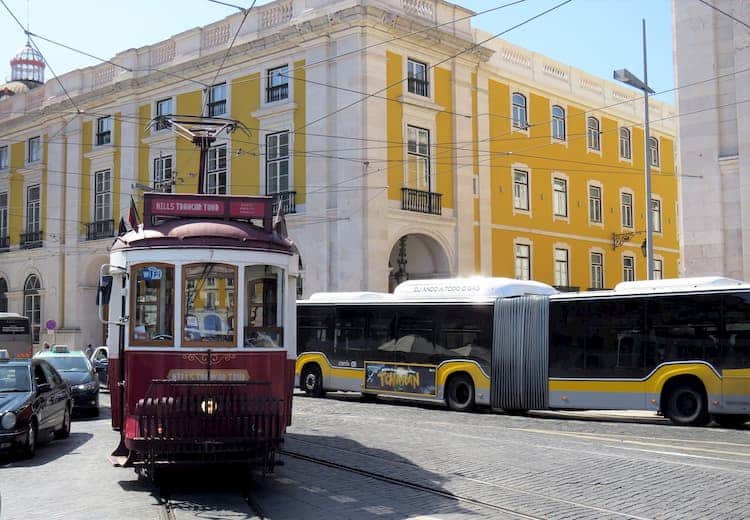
point(200, 308)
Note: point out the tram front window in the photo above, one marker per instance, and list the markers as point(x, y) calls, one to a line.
point(209, 303)
point(153, 305)
point(264, 306)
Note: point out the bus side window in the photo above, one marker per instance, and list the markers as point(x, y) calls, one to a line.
point(416, 335)
point(381, 333)
point(316, 330)
point(736, 339)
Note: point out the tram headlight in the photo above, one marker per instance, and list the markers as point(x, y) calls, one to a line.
point(209, 406)
point(8, 421)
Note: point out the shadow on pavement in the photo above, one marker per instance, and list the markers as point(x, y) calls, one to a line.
point(47, 450)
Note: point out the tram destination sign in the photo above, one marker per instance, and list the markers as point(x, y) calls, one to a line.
point(207, 206)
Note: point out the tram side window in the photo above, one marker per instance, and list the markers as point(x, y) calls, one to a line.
point(684, 328)
point(464, 332)
point(153, 305)
point(209, 303)
point(415, 342)
point(737, 336)
point(350, 348)
point(615, 341)
point(566, 339)
point(264, 306)
point(315, 329)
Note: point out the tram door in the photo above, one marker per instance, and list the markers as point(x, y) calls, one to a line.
point(264, 307)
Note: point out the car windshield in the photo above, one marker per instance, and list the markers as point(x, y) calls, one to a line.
point(14, 378)
point(69, 364)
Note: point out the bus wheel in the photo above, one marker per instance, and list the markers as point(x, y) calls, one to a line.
point(730, 421)
point(460, 393)
point(311, 380)
point(687, 405)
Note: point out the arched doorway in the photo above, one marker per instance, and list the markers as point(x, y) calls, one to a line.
point(32, 304)
point(415, 257)
point(3, 295)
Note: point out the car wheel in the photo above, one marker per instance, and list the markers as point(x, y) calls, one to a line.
point(30, 448)
point(687, 405)
point(64, 431)
point(311, 380)
point(460, 393)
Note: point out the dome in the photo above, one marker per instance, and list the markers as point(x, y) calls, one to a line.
point(27, 65)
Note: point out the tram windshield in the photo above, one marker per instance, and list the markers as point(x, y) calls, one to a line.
point(209, 303)
point(153, 304)
point(265, 300)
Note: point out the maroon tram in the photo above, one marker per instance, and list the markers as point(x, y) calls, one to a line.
point(201, 332)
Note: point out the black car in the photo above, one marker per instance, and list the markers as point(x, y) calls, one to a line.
point(80, 375)
point(34, 401)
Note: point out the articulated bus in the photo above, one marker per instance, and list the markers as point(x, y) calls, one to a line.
point(678, 347)
point(15, 335)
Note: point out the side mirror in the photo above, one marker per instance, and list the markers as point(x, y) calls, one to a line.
point(42, 388)
point(105, 290)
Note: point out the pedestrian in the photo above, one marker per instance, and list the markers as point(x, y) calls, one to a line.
point(89, 351)
point(46, 346)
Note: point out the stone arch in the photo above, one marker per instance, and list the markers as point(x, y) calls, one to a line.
point(418, 255)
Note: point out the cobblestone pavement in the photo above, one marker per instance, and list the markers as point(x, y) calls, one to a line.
point(473, 466)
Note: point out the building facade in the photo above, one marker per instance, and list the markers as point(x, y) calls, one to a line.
point(399, 145)
point(712, 59)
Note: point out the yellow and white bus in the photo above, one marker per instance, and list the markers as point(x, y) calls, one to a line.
point(680, 347)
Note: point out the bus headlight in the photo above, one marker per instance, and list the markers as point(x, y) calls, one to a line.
point(8, 421)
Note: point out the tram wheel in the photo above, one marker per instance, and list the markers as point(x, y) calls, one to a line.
point(311, 380)
point(730, 421)
point(687, 405)
point(460, 393)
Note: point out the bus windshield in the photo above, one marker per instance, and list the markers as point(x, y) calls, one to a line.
point(15, 335)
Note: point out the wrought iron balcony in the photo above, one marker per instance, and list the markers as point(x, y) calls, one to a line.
point(277, 93)
point(567, 288)
point(287, 201)
point(217, 108)
point(420, 87)
point(421, 201)
point(31, 239)
point(4, 243)
point(100, 229)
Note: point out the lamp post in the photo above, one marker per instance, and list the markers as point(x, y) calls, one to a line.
point(627, 77)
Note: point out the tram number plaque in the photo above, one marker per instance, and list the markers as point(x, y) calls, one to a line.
point(401, 378)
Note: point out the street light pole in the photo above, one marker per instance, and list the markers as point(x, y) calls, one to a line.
point(627, 77)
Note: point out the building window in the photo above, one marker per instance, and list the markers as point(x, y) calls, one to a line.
point(277, 163)
point(277, 84)
point(558, 122)
point(102, 195)
point(626, 204)
point(592, 134)
point(658, 270)
point(216, 173)
point(163, 109)
point(3, 295)
point(217, 100)
point(653, 151)
point(628, 268)
point(560, 200)
point(625, 151)
point(656, 215)
point(34, 152)
point(4, 243)
point(417, 78)
point(104, 130)
point(523, 262)
point(520, 119)
point(597, 271)
point(562, 278)
point(521, 190)
point(32, 304)
point(418, 166)
point(163, 174)
point(595, 204)
point(4, 159)
point(33, 209)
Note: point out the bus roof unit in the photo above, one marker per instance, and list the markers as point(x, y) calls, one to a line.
point(470, 288)
point(350, 296)
point(678, 284)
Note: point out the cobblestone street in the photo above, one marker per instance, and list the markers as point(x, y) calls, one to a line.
point(350, 459)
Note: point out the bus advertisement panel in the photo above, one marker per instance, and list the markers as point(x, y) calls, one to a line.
point(401, 378)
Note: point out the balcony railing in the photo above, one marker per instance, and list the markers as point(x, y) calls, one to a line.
point(277, 93)
point(4, 243)
point(421, 201)
point(217, 108)
point(287, 201)
point(419, 87)
point(31, 240)
point(103, 138)
point(100, 229)
point(567, 288)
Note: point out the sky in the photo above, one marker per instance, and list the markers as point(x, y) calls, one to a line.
point(597, 36)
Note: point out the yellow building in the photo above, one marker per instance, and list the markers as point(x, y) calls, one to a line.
point(395, 153)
